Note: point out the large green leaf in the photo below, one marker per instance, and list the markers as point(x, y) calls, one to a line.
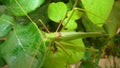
point(57, 11)
point(91, 27)
point(55, 59)
point(5, 25)
point(19, 7)
point(2, 61)
point(98, 10)
point(38, 14)
point(24, 47)
point(75, 49)
point(115, 20)
point(72, 53)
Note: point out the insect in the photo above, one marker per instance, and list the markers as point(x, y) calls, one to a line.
point(61, 46)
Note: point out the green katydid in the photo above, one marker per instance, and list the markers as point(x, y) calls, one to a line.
point(62, 44)
point(67, 35)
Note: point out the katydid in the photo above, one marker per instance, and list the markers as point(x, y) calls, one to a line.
point(63, 43)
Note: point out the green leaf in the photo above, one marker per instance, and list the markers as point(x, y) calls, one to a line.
point(5, 25)
point(24, 47)
point(114, 20)
point(75, 49)
point(98, 10)
point(72, 25)
point(88, 56)
point(55, 60)
point(57, 11)
point(19, 7)
point(72, 16)
point(114, 24)
point(91, 27)
point(38, 14)
point(2, 61)
point(6, 2)
point(69, 5)
point(60, 58)
point(89, 64)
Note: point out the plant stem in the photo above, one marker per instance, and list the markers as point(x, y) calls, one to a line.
point(75, 4)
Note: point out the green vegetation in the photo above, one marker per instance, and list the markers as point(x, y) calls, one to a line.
point(58, 33)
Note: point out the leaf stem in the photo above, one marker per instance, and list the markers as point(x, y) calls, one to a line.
point(75, 4)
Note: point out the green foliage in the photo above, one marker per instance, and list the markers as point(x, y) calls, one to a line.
point(55, 59)
point(2, 61)
point(25, 43)
point(30, 5)
point(89, 65)
point(75, 50)
point(61, 58)
point(98, 10)
point(57, 11)
point(114, 20)
point(91, 27)
point(38, 14)
point(72, 16)
point(5, 25)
